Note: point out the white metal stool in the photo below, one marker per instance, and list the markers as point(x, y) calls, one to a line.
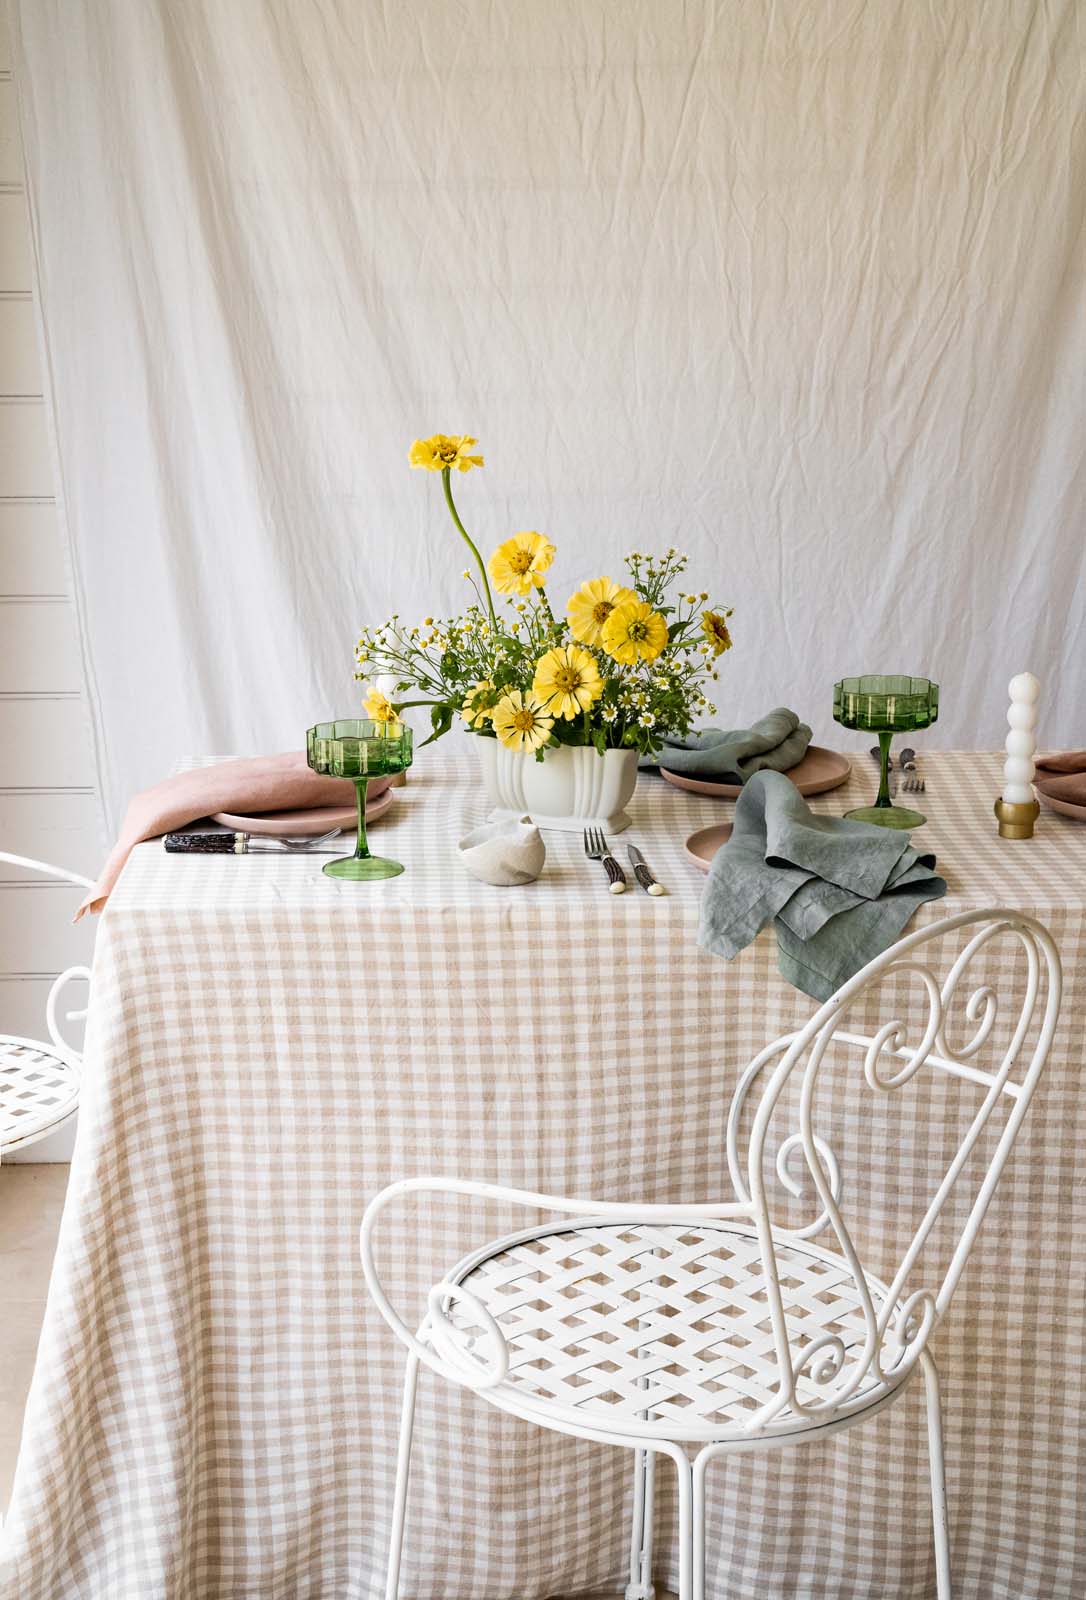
point(39, 1082)
point(692, 1331)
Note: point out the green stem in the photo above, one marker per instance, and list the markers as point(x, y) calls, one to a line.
point(445, 476)
point(361, 849)
point(884, 773)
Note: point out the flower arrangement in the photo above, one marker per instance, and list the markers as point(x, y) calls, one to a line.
point(627, 663)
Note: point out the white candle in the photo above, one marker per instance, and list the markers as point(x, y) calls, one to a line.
point(1021, 742)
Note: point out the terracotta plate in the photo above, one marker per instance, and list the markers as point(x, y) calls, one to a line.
point(1066, 808)
point(818, 771)
point(702, 846)
point(301, 824)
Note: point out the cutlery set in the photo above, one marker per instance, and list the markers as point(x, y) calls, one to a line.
point(596, 848)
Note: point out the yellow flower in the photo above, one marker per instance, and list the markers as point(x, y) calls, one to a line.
point(520, 562)
point(478, 704)
point(379, 707)
point(590, 607)
point(567, 681)
point(715, 628)
point(521, 722)
point(444, 451)
point(633, 632)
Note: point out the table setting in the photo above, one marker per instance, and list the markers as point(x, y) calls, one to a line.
point(587, 913)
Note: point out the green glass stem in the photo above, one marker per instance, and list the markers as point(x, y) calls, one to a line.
point(361, 849)
point(885, 740)
point(446, 473)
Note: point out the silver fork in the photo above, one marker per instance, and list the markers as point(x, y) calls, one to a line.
point(309, 843)
point(596, 848)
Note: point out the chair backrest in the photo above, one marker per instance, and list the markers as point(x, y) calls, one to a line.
point(47, 869)
point(1000, 1061)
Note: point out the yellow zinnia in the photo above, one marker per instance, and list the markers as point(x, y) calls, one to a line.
point(567, 681)
point(445, 450)
point(521, 722)
point(593, 603)
point(478, 704)
point(715, 628)
point(379, 708)
point(520, 562)
point(634, 632)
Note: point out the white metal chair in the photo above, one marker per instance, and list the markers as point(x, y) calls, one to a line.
point(39, 1083)
point(692, 1331)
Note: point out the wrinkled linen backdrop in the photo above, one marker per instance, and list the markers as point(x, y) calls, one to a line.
point(795, 286)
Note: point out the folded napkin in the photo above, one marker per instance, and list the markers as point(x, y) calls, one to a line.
point(775, 743)
point(1068, 776)
point(838, 892)
point(253, 783)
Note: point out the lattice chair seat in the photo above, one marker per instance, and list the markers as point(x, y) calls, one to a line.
point(39, 1088)
point(661, 1328)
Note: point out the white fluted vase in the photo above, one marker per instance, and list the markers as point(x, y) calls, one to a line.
point(573, 787)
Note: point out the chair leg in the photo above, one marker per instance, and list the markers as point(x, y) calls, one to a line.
point(640, 1586)
point(403, 1469)
point(938, 1479)
point(700, 1466)
point(687, 1591)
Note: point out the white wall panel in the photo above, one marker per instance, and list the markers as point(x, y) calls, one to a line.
point(39, 648)
point(36, 929)
point(44, 744)
point(59, 827)
point(20, 364)
point(11, 152)
point(16, 261)
point(31, 558)
point(26, 463)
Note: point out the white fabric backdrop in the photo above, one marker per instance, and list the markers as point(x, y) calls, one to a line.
point(795, 285)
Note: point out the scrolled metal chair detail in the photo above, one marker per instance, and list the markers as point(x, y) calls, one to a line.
point(39, 1082)
point(693, 1330)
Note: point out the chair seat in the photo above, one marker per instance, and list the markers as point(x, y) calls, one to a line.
point(661, 1330)
point(39, 1088)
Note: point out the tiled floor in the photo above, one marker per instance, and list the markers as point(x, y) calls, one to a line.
point(31, 1198)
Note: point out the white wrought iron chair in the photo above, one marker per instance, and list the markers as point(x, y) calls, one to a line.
point(692, 1331)
point(39, 1083)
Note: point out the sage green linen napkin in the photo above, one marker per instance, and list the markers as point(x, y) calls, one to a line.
point(775, 743)
point(837, 892)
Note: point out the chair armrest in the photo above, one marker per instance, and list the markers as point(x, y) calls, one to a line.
point(451, 1361)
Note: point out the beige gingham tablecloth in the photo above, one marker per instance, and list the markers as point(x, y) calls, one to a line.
point(215, 1407)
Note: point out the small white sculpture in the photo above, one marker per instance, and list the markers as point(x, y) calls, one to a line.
point(1017, 807)
point(507, 852)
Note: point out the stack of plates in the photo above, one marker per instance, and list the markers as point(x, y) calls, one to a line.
point(302, 824)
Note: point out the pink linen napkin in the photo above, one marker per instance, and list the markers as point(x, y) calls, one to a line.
point(1063, 776)
point(253, 783)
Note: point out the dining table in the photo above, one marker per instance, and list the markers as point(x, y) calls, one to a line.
point(215, 1405)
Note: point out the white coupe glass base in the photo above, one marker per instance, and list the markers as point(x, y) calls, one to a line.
point(572, 788)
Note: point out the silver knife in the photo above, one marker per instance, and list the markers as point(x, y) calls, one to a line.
point(641, 871)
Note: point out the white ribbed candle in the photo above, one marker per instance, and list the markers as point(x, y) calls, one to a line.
point(1021, 742)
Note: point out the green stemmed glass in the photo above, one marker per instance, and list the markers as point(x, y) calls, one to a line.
point(359, 749)
point(885, 706)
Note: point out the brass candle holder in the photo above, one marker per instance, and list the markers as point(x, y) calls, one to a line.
point(1016, 819)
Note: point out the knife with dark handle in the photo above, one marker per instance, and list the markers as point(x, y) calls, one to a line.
point(641, 871)
point(241, 844)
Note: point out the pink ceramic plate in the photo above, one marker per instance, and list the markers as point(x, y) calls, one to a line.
point(1066, 808)
point(302, 824)
point(702, 846)
point(819, 770)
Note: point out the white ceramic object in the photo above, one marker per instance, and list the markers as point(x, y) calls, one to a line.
point(505, 853)
point(573, 787)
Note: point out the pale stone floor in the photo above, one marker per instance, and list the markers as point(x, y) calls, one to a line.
point(31, 1198)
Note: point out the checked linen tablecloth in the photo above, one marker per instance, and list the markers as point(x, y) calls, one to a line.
point(215, 1406)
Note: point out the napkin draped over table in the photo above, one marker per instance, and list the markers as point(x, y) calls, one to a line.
point(1063, 777)
point(838, 892)
point(247, 785)
point(775, 743)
